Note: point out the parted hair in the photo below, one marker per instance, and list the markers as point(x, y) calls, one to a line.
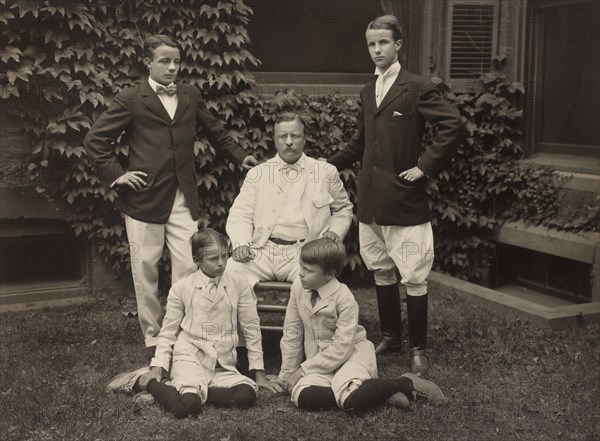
point(326, 253)
point(157, 40)
point(290, 116)
point(208, 239)
point(389, 22)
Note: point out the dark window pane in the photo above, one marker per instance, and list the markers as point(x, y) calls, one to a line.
point(32, 259)
point(530, 267)
point(568, 277)
point(312, 36)
point(571, 83)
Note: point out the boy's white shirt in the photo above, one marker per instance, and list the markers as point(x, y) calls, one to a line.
point(321, 338)
point(208, 324)
point(385, 80)
point(207, 281)
point(168, 101)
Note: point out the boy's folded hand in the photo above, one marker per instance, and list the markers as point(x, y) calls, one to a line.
point(155, 373)
point(294, 378)
point(263, 381)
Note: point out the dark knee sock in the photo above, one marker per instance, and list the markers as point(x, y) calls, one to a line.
point(180, 405)
point(375, 391)
point(316, 398)
point(242, 363)
point(136, 387)
point(240, 395)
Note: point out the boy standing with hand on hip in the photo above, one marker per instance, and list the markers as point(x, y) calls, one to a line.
point(158, 193)
point(393, 210)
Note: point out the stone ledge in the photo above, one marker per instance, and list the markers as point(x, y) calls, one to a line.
point(566, 163)
point(579, 181)
point(562, 317)
point(58, 303)
point(25, 203)
point(581, 247)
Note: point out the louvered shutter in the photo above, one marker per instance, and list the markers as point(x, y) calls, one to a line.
point(471, 38)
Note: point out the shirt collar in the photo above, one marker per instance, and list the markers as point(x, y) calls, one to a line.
point(394, 69)
point(329, 288)
point(202, 280)
point(154, 85)
point(298, 164)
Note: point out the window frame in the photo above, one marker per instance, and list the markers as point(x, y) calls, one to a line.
point(534, 69)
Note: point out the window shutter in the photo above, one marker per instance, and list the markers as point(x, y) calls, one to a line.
point(472, 39)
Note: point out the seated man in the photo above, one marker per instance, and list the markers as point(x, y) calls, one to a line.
point(285, 201)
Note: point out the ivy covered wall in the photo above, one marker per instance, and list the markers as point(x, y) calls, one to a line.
point(62, 65)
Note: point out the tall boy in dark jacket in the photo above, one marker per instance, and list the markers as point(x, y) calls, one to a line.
point(158, 193)
point(393, 210)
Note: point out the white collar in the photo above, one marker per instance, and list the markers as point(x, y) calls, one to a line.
point(154, 85)
point(329, 288)
point(394, 69)
point(203, 280)
point(300, 163)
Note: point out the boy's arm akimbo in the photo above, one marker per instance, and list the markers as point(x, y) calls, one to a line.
point(353, 150)
point(217, 135)
point(341, 207)
point(240, 222)
point(98, 141)
point(449, 131)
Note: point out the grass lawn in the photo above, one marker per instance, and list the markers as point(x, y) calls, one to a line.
point(506, 380)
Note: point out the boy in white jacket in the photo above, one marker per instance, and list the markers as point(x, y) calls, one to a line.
point(326, 357)
point(198, 339)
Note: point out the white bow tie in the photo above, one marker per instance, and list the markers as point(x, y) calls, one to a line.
point(289, 167)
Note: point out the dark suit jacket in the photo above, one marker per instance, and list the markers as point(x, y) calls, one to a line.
point(159, 146)
point(388, 144)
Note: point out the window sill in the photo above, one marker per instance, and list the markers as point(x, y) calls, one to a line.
point(588, 165)
point(311, 84)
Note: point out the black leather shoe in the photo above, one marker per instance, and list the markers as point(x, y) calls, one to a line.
point(389, 344)
point(419, 363)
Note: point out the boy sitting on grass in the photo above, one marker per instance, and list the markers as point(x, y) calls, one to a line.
point(326, 357)
point(199, 336)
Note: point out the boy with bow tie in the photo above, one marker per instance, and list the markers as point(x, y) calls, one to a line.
point(157, 189)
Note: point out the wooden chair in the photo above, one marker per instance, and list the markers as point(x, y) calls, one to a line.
point(280, 287)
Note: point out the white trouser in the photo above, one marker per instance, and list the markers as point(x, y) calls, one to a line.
point(146, 244)
point(271, 262)
point(409, 248)
point(190, 375)
point(346, 379)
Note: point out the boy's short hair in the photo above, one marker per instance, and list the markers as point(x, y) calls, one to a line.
point(326, 253)
point(157, 40)
point(389, 22)
point(290, 116)
point(208, 238)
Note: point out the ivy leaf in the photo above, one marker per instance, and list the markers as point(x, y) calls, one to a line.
point(10, 52)
point(56, 37)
